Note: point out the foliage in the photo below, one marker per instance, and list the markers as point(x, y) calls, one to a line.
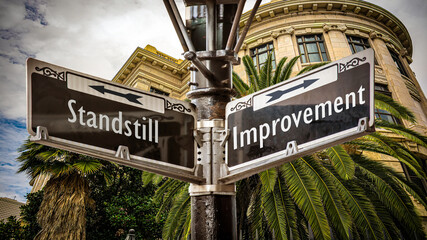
point(121, 204)
point(11, 229)
point(29, 214)
point(337, 193)
point(62, 214)
point(26, 227)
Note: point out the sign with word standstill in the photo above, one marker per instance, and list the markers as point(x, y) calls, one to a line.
point(325, 107)
point(99, 118)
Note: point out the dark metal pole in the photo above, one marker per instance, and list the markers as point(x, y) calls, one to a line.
point(246, 29)
point(213, 204)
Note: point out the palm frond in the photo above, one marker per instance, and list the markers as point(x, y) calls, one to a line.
point(359, 206)
point(341, 161)
point(88, 167)
point(266, 73)
point(287, 69)
point(177, 216)
point(388, 104)
point(255, 213)
point(336, 212)
point(252, 72)
point(307, 198)
point(289, 209)
point(312, 67)
point(148, 178)
point(278, 71)
point(268, 179)
point(396, 201)
point(241, 87)
point(274, 213)
point(397, 151)
point(402, 131)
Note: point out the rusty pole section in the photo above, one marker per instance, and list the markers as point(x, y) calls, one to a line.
point(208, 37)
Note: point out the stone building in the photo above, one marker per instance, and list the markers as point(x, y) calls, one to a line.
point(318, 31)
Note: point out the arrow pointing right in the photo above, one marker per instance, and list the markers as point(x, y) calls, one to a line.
point(278, 94)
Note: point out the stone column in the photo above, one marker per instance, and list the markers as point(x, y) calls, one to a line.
point(336, 42)
point(396, 83)
point(285, 46)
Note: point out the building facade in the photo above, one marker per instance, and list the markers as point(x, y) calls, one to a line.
point(316, 31)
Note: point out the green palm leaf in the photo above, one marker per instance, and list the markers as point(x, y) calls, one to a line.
point(287, 69)
point(388, 104)
point(397, 202)
point(176, 216)
point(268, 179)
point(241, 87)
point(339, 217)
point(312, 67)
point(396, 151)
point(88, 167)
point(274, 213)
point(307, 198)
point(266, 73)
point(402, 131)
point(252, 72)
point(278, 71)
point(341, 161)
point(360, 208)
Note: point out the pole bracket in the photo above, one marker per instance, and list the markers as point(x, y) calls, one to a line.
point(217, 189)
point(362, 125)
point(123, 152)
point(41, 134)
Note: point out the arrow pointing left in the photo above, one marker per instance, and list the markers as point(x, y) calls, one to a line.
point(129, 96)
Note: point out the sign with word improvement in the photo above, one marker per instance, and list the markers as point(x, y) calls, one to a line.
point(325, 107)
point(99, 118)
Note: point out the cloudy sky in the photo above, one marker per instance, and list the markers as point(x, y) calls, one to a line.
point(97, 37)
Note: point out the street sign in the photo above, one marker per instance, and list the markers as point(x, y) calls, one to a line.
point(99, 118)
point(322, 108)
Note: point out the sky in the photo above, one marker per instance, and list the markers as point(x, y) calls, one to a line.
point(97, 37)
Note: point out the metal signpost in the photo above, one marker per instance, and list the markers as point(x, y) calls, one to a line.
point(217, 142)
point(325, 107)
point(88, 115)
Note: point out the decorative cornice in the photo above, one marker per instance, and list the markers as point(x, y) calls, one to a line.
point(334, 27)
point(384, 20)
point(375, 34)
point(285, 31)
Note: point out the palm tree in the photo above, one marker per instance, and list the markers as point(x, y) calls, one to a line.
point(62, 213)
point(337, 193)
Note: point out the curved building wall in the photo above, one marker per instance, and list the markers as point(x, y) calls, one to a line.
point(282, 22)
point(339, 25)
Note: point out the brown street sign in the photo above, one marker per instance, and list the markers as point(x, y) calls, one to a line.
point(325, 107)
point(99, 118)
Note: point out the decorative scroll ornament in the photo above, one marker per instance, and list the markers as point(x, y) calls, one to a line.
point(242, 105)
point(351, 64)
point(177, 107)
point(48, 72)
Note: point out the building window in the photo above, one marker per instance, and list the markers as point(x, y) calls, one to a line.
point(382, 88)
point(155, 90)
point(382, 114)
point(260, 54)
point(398, 63)
point(358, 44)
point(412, 177)
point(312, 48)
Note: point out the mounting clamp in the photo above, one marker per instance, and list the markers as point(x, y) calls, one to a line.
point(41, 134)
